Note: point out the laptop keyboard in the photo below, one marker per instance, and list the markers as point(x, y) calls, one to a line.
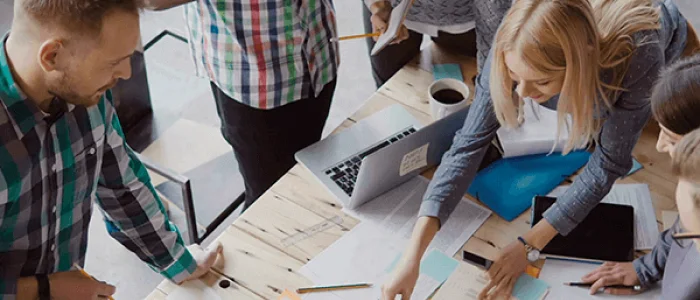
point(344, 174)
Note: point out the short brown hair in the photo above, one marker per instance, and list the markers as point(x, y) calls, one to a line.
point(686, 157)
point(80, 16)
point(675, 99)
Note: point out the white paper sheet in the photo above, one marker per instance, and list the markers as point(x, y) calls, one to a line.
point(536, 135)
point(366, 253)
point(195, 289)
point(397, 211)
point(557, 272)
point(398, 16)
point(639, 197)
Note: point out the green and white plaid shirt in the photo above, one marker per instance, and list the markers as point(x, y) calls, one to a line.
point(52, 168)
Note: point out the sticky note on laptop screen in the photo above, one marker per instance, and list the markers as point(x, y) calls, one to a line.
point(441, 71)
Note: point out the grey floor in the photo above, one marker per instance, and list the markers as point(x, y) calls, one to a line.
point(177, 93)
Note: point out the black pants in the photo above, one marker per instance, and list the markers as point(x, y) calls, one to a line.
point(392, 58)
point(264, 141)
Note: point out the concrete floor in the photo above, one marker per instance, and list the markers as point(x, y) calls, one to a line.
point(170, 67)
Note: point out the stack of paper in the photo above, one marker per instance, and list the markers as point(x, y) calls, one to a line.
point(536, 135)
point(639, 197)
point(370, 251)
point(467, 281)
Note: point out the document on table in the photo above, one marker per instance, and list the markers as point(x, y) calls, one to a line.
point(467, 281)
point(639, 197)
point(397, 211)
point(368, 254)
point(556, 272)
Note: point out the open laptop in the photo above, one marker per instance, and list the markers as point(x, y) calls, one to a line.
point(378, 153)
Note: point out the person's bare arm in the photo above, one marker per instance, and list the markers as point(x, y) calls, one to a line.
point(164, 4)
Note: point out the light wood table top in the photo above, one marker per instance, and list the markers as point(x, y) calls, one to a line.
point(263, 265)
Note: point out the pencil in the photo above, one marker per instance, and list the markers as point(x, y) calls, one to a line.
point(356, 36)
point(617, 286)
point(87, 275)
point(684, 236)
point(333, 288)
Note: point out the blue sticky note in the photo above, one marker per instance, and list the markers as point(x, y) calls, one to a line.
point(447, 71)
point(438, 266)
point(636, 166)
point(529, 288)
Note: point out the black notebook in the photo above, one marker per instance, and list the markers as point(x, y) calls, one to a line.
point(607, 233)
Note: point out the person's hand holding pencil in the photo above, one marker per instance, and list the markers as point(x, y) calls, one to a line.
point(610, 276)
point(381, 12)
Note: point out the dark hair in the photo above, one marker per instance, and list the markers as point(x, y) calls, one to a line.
point(675, 99)
point(80, 16)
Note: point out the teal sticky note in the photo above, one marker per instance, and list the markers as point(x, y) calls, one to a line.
point(438, 266)
point(636, 166)
point(447, 71)
point(529, 288)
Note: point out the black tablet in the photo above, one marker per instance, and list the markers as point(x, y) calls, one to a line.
point(607, 233)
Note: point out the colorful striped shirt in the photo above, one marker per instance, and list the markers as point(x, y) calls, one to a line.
point(264, 54)
point(52, 167)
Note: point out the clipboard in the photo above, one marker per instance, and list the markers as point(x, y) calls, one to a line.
point(398, 16)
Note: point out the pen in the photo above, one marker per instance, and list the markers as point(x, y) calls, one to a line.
point(356, 36)
point(87, 275)
point(617, 286)
point(333, 288)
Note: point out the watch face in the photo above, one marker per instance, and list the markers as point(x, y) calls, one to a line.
point(533, 255)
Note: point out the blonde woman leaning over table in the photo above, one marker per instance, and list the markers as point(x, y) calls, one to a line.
point(675, 104)
point(595, 60)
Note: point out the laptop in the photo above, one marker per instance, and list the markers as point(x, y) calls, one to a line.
point(378, 153)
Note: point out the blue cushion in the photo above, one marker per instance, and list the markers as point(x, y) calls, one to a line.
point(508, 185)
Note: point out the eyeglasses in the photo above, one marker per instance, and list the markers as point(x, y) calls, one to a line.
point(686, 235)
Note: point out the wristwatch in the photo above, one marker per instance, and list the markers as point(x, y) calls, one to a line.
point(44, 288)
point(533, 254)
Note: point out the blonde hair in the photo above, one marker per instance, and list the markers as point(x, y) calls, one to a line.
point(579, 38)
point(685, 161)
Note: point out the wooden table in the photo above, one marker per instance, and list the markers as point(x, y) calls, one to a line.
point(255, 256)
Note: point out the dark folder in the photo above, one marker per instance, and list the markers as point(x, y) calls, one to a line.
point(607, 233)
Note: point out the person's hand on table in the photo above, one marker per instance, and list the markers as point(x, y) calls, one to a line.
point(205, 258)
point(381, 13)
point(73, 285)
point(402, 281)
point(504, 272)
point(613, 273)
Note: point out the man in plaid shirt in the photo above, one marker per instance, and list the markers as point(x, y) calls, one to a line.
point(273, 72)
point(61, 147)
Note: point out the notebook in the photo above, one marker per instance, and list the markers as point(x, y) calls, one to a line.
point(508, 185)
point(398, 16)
point(607, 233)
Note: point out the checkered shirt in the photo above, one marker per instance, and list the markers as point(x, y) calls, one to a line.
point(264, 54)
point(52, 168)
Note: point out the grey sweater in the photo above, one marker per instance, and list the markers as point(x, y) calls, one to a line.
point(676, 263)
point(612, 157)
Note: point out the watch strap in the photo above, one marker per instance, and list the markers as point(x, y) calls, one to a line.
point(44, 287)
point(527, 245)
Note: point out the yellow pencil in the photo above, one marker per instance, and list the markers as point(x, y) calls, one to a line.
point(357, 36)
point(87, 275)
point(333, 288)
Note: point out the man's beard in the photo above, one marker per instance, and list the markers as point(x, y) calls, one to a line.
point(64, 90)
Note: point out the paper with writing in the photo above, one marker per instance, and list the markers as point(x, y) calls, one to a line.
point(414, 160)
